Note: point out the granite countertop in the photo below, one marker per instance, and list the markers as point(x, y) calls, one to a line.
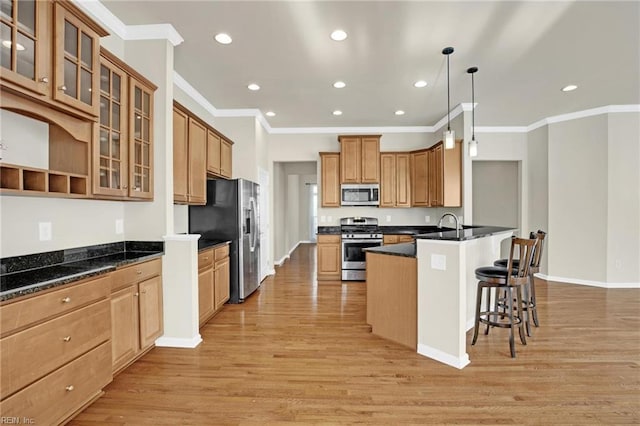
point(468, 233)
point(386, 230)
point(207, 244)
point(21, 275)
point(402, 249)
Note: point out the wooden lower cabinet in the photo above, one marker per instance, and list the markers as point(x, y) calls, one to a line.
point(329, 258)
point(136, 311)
point(55, 351)
point(396, 239)
point(213, 281)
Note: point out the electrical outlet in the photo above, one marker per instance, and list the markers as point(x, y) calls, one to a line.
point(330, 219)
point(427, 219)
point(388, 218)
point(323, 219)
point(45, 231)
point(119, 226)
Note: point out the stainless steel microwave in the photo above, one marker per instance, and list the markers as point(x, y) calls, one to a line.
point(360, 195)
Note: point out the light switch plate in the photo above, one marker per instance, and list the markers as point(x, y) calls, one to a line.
point(45, 231)
point(388, 218)
point(330, 218)
point(323, 219)
point(427, 219)
point(439, 262)
point(119, 226)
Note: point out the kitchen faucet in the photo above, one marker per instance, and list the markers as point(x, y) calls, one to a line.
point(458, 224)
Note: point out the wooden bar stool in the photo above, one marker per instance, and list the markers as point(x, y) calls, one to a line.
point(530, 303)
point(505, 280)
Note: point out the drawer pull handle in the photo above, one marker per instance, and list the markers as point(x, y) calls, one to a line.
point(69, 388)
point(67, 338)
point(144, 292)
point(137, 294)
point(206, 258)
point(139, 272)
point(66, 299)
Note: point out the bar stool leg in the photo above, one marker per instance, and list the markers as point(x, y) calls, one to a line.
point(478, 306)
point(520, 315)
point(526, 311)
point(512, 345)
point(489, 292)
point(534, 303)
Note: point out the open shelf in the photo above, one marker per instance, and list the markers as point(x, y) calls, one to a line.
point(18, 180)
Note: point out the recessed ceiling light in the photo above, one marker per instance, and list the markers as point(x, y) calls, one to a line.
point(337, 112)
point(338, 35)
point(253, 87)
point(569, 88)
point(223, 38)
point(420, 83)
point(271, 114)
point(339, 84)
point(399, 112)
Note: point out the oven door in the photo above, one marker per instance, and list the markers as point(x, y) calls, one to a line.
point(353, 255)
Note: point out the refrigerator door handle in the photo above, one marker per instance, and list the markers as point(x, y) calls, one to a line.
point(253, 228)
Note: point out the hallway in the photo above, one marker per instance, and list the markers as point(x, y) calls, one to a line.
point(300, 352)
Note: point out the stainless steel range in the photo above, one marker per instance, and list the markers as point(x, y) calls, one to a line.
point(358, 233)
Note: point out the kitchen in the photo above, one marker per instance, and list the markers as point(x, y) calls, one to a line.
point(548, 199)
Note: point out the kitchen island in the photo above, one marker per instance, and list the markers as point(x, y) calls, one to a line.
point(446, 286)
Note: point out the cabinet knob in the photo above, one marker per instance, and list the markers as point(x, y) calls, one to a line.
point(125, 187)
point(139, 272)
point(136, 188)
point(66, 299)
point(44, 80)
point(144, 292)
point(136, 294)
point(69, 388)
point(66, 338)
point(206, 258)
point(63, 88)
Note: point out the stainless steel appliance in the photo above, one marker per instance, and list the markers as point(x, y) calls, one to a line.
point(360, 195)
point(358, 233)
point(232, 214)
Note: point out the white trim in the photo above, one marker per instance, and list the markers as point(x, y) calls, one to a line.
point(443, 357)
point(282, 260)
point(178, 342)
point(459, 109)
point(191, 91)
point(100, 13)
point(345, 130)
point(501, 129)
point(154, 32)
point(181, 237)
point(601, 284)
point(609, 109)
point(288, 255)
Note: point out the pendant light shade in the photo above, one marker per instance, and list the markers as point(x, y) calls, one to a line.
point(449, 135)
point(473, 144)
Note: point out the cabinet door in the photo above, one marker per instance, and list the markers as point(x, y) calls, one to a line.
point(329, 259)
point(390, 239)
point(226, 158)
point(370, 163)
point(350, 157)
point(140, 141)
point(438, 160)
point(206, 296)
point(197, 162)
point(403, 180)
point(452, 176)
point(110, 157)
point(222, 284)
point(388, 180)
point(151, 325)
point(76, 62)
point(180, 149)
point(213, 153)
point(330, 183)
point(420, 179)
point(124, 326)
point(25, 52)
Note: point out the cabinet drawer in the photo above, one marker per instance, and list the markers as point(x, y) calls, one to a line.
point(135, 273)
point(58, 395)
point(17, 315)
point(221, 253)
point(324, 239)
point(205, 259)
point(36, 351)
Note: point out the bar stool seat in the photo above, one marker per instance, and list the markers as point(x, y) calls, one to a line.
point(504, 280)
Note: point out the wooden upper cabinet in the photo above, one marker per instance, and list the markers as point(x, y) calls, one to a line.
point(403, 180)
point(213, 152)
point(197, 188)
point(25, 55)
point(435, 176)
point(445, 175)
point(140, 140)
point(395, 187)
point(76, 59)
point(359, 159)
point(330, 179)
point(420, 178)
point(226, 158)
point(180, 153)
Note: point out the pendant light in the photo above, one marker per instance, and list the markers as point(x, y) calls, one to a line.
point(449, 135)
point(473, 144)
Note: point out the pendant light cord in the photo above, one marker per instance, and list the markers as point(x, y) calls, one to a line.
point(448, 97)
point(473, 110)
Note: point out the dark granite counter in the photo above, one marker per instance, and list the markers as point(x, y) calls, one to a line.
point(402, 249)
point(386, 230)
point(21, 275)
point(468, 233)
point(206, 244)
point(328, 230)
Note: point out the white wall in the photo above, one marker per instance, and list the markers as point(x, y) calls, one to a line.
point(537, 179)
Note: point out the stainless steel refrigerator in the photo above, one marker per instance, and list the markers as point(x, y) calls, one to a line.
point(231, 213)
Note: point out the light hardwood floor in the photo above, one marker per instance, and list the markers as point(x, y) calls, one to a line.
point(300, 352)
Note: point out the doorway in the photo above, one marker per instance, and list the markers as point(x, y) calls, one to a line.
point(313, 211)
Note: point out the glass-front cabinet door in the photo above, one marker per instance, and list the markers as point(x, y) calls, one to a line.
point(76, 61)
point(141, 141)
point(24, 46)
point(110, 152)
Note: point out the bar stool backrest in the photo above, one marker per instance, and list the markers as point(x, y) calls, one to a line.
point(537, 255)
point(523, 250)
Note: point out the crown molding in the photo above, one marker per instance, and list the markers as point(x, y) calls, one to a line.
point(154, 32)
point(352, 130)
point(501, 129)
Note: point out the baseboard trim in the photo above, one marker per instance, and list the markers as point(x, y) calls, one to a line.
point(471, 323)
point(178, 342)
point(288, 255)
point(589, 283)
point(443, 357)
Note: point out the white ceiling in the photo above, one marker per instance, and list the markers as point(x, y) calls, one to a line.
point(525, 51)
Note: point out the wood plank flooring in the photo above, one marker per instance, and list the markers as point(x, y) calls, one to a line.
point(300, 352)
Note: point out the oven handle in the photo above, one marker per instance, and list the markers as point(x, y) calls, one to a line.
point(346, 241)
